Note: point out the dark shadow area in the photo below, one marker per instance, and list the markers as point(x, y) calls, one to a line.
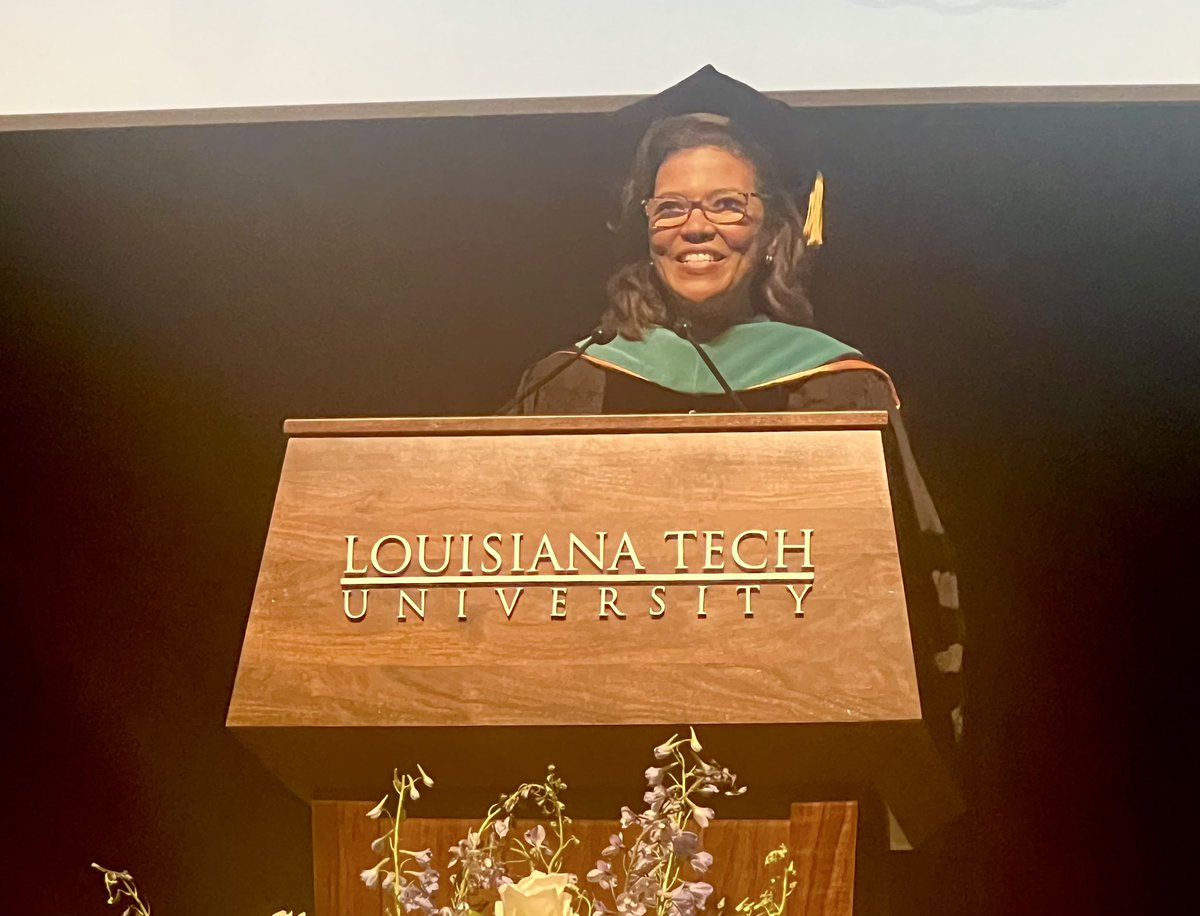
point(1028, 274)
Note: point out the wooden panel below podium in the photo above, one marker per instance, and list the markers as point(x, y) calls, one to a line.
point(821, 837)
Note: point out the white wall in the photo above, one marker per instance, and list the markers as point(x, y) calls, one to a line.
point(126, 55)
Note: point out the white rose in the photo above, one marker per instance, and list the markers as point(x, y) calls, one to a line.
point(537, 895)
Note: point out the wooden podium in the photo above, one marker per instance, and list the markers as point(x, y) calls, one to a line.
point(485, 596)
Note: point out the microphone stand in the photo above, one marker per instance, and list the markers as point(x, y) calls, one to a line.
point(683, 328)
point(599, 335)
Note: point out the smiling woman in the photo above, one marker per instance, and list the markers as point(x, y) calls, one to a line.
point(712, 281)
point(705, 248)
point(725, 238)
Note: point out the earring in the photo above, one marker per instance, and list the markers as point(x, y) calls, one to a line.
point(769, 259)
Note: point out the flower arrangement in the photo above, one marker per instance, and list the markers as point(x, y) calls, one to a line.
point(653, 864)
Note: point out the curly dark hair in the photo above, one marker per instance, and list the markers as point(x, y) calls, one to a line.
point(636, 298)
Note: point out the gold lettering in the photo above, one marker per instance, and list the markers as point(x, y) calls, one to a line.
point(576, 544)
point(680, 538)
point(346, 604)
point(608, 602)
point(712, 550)
point(736, 550)
point(558, 602)
point(418, 609)
point(656, 595)
point(379, 545)
point(509, 608)
point(517, 537)
point(805, 547)
point(488, 540)
point(466, 552)
point(799, 599)
point(625, 549)
point(545, 551)
point(700, 592)
point(462, 604)
point(350, 567)
point(422, 541)
point(747, 591)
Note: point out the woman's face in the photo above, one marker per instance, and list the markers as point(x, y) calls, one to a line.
point(702, 262)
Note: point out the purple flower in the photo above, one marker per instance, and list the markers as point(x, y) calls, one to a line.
point(686, 844)
point(702, 815)
point(501, 827)
point(379, 809)
point(663, 751)
point(644, 888)
point(628, 818)
point(690, 896)
point(616, 843)
point(536, 838)
point(430, 880)
point(413, 898)
point(645, 860)
point(654, 775)
point(461, 850)
point(655, 798)
point(700, 891)
point(602, 875)
point(370, 876)
point(701, 862)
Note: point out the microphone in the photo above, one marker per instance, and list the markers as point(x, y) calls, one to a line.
point(599, 335)
point(683, 328)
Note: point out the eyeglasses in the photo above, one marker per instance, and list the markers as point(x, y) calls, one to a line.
point(721, 207)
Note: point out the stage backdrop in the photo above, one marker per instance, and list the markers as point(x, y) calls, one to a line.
point(1027, 274)
point(80, 56)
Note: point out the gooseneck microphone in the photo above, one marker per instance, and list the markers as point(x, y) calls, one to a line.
point(683, 328)
point(600, 335)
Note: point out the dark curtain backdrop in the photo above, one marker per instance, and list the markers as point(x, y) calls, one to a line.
point(1028, 274)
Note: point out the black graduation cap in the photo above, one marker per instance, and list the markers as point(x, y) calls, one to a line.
point(774, 125)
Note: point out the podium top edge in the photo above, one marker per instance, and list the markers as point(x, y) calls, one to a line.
point(607, 423)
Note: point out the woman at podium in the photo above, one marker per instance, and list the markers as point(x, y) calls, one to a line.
point(707, 311)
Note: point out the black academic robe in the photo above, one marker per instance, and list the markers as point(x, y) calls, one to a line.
point(929, 579)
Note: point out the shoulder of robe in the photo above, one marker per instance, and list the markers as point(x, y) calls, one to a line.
point(851, 389)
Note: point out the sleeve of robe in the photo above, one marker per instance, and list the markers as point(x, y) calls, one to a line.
point(930, 583)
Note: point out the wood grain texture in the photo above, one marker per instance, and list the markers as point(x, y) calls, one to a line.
point(611, 423)
point(332, 704)
point(849, 659)
point(822, 837)
point(341, 839)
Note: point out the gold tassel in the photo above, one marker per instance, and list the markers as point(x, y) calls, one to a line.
point(814, 223)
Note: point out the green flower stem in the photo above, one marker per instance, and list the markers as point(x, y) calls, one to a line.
point(126, 888)
point(403, 786)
